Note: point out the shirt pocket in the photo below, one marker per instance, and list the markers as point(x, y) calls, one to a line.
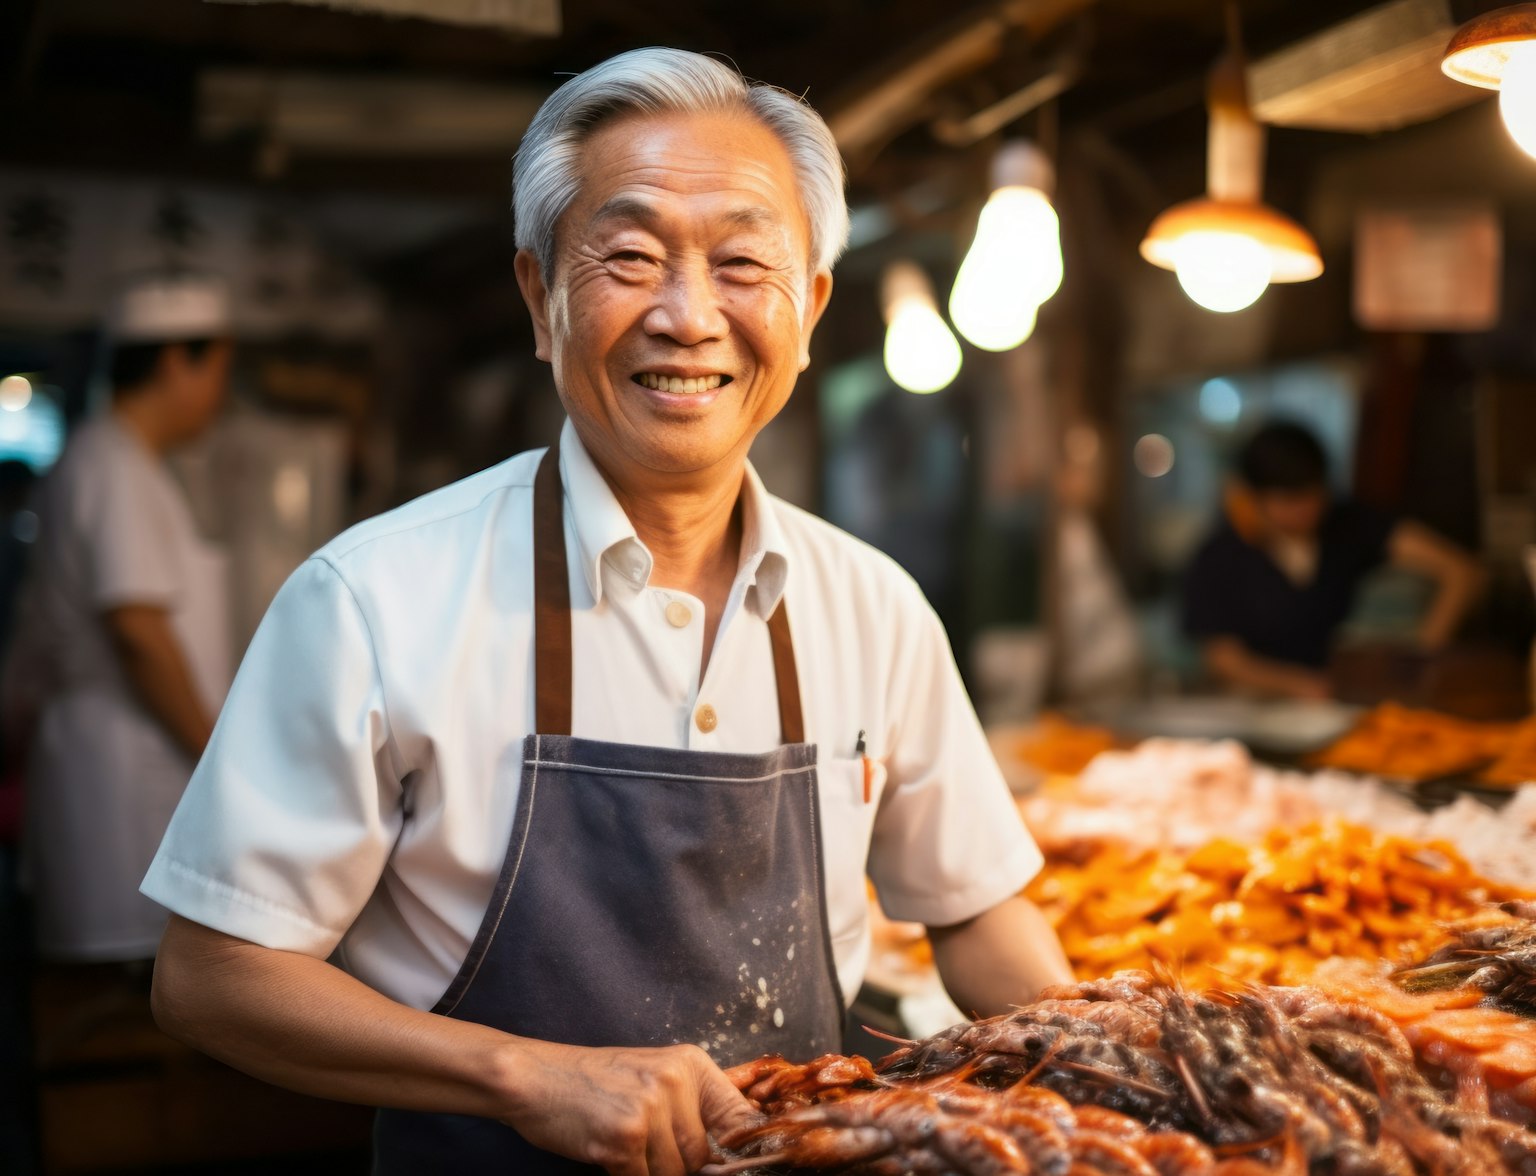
point(847, 824)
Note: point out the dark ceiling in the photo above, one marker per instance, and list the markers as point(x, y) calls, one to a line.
point(112, 84)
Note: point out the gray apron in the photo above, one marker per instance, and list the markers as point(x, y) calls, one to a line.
point(649, 896)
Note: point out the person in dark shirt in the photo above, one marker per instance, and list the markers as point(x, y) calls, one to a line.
point(1270, 587)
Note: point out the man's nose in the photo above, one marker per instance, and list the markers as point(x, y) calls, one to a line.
point(687, 307)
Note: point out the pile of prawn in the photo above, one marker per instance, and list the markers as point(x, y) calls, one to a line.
point(1130, 1076)
point(1469, 1010)
point(1497, 959)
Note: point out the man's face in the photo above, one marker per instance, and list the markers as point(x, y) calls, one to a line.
point(1296, 514)
point(198, 384)
point(680, 305)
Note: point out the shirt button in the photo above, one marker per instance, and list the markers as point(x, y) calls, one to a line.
point(678, 614)
point(706, 718)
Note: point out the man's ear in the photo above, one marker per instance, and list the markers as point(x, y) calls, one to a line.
point(821, 292)
point(530, 280)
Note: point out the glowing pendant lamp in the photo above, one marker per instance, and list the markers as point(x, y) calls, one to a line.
point(921, 353)
point(1014, 264)
point(1228, 246)
point(1497, 51)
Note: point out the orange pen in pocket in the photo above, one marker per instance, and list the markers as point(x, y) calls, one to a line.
point(869, 767)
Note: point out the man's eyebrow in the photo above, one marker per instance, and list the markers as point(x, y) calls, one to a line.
point(625, 208)
point(752, 216)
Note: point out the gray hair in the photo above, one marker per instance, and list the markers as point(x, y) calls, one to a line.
point(653, 81)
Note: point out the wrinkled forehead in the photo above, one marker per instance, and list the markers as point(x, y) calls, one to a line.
point(724, 169)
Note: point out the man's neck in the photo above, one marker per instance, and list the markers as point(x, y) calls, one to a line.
point(693, 535)
point(693, 529)
point(1295, 556)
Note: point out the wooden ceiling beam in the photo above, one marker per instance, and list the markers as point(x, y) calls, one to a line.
point(897, 94)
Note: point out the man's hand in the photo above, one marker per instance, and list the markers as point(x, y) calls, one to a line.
point(634, 1112)
point(1230, 661)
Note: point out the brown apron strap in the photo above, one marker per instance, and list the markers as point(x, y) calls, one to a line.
point(791, 721)
point(552, 620)
point(551, 602)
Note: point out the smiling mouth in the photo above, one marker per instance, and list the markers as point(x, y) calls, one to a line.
point(680, 385)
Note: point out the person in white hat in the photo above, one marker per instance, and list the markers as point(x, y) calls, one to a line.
point(127, 627)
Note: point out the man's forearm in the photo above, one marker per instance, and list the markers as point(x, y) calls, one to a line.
point(298, 1022)
point(301, 1023)
point(999, 959)
point(1457, 576)
point(1457, 592)
point(157, 669)
point(1237, 667)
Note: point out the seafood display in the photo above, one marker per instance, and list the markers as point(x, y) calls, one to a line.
point(1055, 746)
point(1132, 1076)
point(1409, 1046)
point(1270, 912)
point(1516, 765)
point(1179, 794)
point(1498, 960)
point(1499, 843)
point(1407, 744)
point(1466, 1010)
point(1486, 1055)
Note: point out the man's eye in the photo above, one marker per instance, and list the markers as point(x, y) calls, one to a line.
point(744, 262)
point(628, 255)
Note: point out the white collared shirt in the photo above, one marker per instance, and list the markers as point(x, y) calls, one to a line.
point(358, 793)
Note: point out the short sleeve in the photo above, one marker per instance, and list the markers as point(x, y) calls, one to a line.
point(131, 533)
point(948, 841)
point(1208, 602)
point(287, 824)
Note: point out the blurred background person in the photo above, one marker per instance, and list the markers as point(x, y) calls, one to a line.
point(1268, 591)
point(127, 629)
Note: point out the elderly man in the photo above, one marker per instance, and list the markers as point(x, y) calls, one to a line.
point(541, 797)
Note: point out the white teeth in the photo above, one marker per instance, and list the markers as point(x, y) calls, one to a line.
point(679, 385)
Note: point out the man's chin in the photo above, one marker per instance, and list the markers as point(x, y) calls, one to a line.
point(674, 455)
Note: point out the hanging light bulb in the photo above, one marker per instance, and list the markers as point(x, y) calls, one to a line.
point(1222, 271)
point(1014, 264)
point(1228, 246)
point(1517, 96)
point(1497, 51)
point(921, 352)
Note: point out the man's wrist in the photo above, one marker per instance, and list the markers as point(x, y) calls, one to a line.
point(513, 1075)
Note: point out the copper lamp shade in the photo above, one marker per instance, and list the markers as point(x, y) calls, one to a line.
point(1479, 52)
point(1293, 253)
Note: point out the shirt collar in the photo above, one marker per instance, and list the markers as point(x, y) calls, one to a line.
point(605, 538)
point(764, 552)
point(604, 534)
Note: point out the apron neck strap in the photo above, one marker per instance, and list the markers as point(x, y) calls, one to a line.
point(552, 620)
point(551, 603)
point(786, 676)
